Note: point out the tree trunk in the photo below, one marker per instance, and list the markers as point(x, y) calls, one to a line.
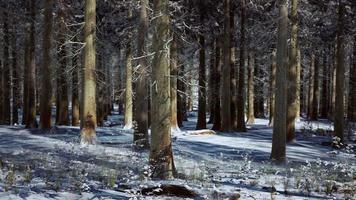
point(128, 90)
point(280, 118)
point(181, 97)
point(340, 77)
point(314, 106)
point(311, 86)
point(25, 77)
point(233, 77)
point(173, 82)
point(241, 81)
point(15, 79)
point(333, 84)
point(88, 134)
point(272, 87)
point(31, 115)
point(161, 155)
point(216, 87)
point(63, 115)
point(324, 97)
point(46, 80)
point(6, 74)
point(250, 90)
point(258, 99)
point(352, 88)
point(226, 72)
point(299, 91)
point(141, 112)
point(75, 92)
point(292, 75)
point(211, 97)
point(201, 124)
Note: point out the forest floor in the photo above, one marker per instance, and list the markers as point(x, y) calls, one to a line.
point(52, 165)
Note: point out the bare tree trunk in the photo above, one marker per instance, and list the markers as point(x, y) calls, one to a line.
point(324, 97)
point(63, 115)
point(211, 97)
point(314, 105)
point(31, 81)
point(233, 77)
point(340, 77)
point(250, 89)
point(173, 82)
point(272, 87)
point(311, 86)
point(181, 97)
point(333, 84)
point(15, 79)
point(201, 124)
point(75, 92)
point(299, 91)
point(216, 87)
point(128, 90)
point(6, 103)
point(88, 135)
point(46, 80)
point(279, 125)
point(141, 112)
point(292, 75)
point(161, 155)
point(241, 81)
point(226, 71)
point(25, 77)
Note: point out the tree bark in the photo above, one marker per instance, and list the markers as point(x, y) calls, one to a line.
point(201, 124)
point(311, 86)
point(314, 105)
point(299, 91)
point(352, 87)
point(279, 125)
point(292, 75)
point(6, 103)
point(250, 90)
point(324, 97)
point(31, 115)
point(233, 77)
point(241, 81)
point(340, 77)
point(88, 134)
point(46, 80)
point(141, 112)
point(216, 75)
point(272, 87)
point(226, 72)
point(75, 92)
point(15, 79)
point(161, 154)
point(128, 79)
point(173, 82)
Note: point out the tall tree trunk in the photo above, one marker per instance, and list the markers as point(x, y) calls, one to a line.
point(272, 87)
point(333, 84)
point(292, 75)
point(258, 100)
point(181, 97)
point(340, 77)
point(201, 124)
point(211, 97)
point(173, 82)
point(233, 77)
point(63, 117)
point(250, 90)
point(314, 105)
point(311, 86)
point(216, 87)
point(280, 118)
point(6, 104)
point(25, 77)
point(226, 71)
point(299, 91)
point(75, 92)
point(161, 154)
point(324, 97)
point(141, 111)
point(128, 78)
point(46, 80)
point(88, 134)
point(241, 81)
point(31, 81)
point(15, 79)
point(352, 87)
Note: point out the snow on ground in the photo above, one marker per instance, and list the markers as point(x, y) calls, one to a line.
point(38, 165)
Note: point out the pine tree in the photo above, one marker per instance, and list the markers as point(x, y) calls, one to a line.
point(352, 87)
point(128, 79)
point(201, 124)
point(272, 86)
point(216, 76)
point(250, 89)
point(6, 74)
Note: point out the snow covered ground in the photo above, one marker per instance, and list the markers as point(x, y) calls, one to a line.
point(38, 165)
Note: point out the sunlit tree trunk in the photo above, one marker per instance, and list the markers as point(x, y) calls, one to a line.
point(141, 111)
point(88, 134)
point(241, 80)
point(292, 106)
point(280, 115)
point(128, 78)
point(46, 80)
point(340, 77)
point(173, 82)
point(31, 115)
point(161, 155)
point(201, 124)
point(250, 89)
point(272, 87)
